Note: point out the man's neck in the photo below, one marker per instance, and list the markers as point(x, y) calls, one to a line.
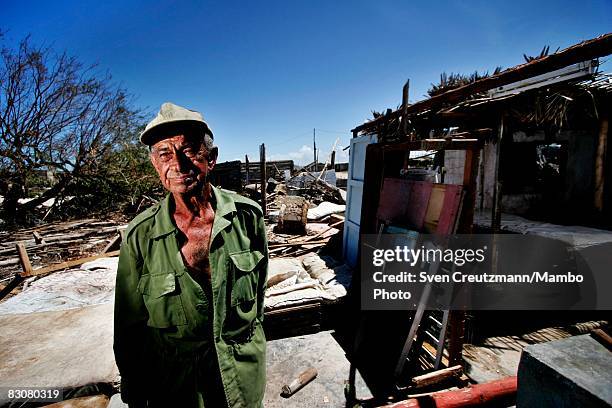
point(193, 205)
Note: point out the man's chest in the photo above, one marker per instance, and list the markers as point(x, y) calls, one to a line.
point(194, 244)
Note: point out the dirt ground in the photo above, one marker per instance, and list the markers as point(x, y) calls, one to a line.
point(287, 358)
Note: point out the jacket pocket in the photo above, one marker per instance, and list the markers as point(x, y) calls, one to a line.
point(162, 300)
point(243, 301)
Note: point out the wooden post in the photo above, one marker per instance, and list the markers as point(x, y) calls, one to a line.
point(600, 161)
point(24, 260)
point(470, 171)
point(496, 210)
point(482, 178)
point(246, 166)
point(314, 148)
point(262, 166)
point(405, 91)
point(332, 164)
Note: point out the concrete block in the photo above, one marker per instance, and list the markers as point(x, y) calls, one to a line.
point(573, 372)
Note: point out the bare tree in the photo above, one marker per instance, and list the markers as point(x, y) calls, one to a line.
point(57, 116)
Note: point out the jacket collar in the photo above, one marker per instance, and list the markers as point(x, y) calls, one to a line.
point(222, 203)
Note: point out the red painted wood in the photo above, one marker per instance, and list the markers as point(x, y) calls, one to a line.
point(416, 207)
point(393, 199)
point(450, 209)
point(500, 392)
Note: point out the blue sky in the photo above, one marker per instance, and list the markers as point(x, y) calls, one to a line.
point(271, 71)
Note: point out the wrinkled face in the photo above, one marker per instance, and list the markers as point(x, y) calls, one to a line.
point(182, 162)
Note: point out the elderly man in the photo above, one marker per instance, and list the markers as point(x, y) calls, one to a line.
point(190, 282)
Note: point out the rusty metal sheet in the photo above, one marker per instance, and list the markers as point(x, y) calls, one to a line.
point(450, 209)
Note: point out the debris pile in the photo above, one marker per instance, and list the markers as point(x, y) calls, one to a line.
point(57, 242)
point(304, 212)
point(295, 281)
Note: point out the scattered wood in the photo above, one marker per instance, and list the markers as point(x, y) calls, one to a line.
point(312, 237)
point(38, 238)
point(55, 242)
point(437, 376)
point(290, 244)
point(114, 244)
point(335, 218)
point(17, 279)
point(70, 264)
point(297, 384)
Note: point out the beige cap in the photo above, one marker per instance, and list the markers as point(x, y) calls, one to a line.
point(170, 118)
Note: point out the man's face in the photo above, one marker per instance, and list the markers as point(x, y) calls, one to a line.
point(182, 162)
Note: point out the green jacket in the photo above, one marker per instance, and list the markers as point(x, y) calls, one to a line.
point(168, 338)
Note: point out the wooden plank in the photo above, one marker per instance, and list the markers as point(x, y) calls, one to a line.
point(17, 279)
point(114, 244)
point(435, 377)
point(24, 260)
point(331, 226)
point(450, 209)
point(434, 208)
point(434, 144)
point(69, 264)
point(290, 244)
point(38, 238)
point(395, 193)
point(418, 200)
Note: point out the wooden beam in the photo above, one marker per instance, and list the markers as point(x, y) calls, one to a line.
point(262, 169)
point(17, 279)
point(246, 168)
point(434, 144)
point(600, 161)
point(38, 238)
point(291, 244)
point(24, 260)
point(405, 93)
point(69, 264)
point(586, 50)
point(437, 376)
point(115, 243)
point(497, 183)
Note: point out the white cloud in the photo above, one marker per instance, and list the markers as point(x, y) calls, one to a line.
point(302, 156)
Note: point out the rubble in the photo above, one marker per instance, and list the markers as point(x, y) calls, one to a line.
point(292, 215)
point(325, 209)
point(55, 243)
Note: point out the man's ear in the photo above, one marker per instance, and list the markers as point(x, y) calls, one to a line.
point(212, 158)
